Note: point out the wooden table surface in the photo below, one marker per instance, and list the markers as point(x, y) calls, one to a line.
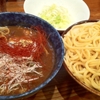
point(62, 87)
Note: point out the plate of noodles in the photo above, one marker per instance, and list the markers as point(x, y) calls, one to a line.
point(82, 54)
point(59, 13)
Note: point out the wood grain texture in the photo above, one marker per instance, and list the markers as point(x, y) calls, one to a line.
point(62, 87)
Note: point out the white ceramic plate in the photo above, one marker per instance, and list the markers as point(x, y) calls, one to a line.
point(78, 9)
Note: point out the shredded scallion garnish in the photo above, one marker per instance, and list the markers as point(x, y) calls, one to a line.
point(57, 16)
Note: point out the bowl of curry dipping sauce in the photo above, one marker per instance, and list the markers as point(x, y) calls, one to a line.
point(81, 59)
point(31, 54)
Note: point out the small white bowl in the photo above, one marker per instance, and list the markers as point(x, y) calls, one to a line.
point(78, 9)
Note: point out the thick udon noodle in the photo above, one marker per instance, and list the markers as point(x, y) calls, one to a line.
point(17, 74)
point(82, 57)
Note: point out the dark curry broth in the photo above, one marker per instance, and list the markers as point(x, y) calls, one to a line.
point(46, 60)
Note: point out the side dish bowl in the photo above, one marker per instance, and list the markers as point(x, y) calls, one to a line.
point(83, 67)
point(61, 14)
point(28, 20)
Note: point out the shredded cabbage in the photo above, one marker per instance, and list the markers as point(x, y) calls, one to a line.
point(57, 16)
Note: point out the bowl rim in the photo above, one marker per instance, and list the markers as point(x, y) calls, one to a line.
point(53, 74)
point(77, 23)
point(94, 91)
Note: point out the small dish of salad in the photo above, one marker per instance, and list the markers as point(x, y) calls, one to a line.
point(59, 13)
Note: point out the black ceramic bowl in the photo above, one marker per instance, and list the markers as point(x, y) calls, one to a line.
point(28, 20)
point(76, 78)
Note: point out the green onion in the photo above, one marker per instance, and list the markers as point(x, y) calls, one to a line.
point(58, 16)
